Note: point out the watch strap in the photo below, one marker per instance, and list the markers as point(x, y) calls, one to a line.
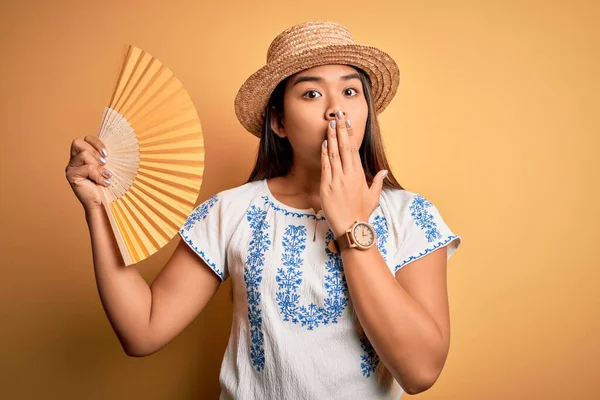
point(339, 244)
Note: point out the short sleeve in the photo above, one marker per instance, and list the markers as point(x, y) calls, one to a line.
point(422, 230)
point(207, 232)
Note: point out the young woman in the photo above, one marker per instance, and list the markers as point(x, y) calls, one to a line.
point(338, 273)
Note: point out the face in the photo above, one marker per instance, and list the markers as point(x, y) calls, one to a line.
point(311, 100)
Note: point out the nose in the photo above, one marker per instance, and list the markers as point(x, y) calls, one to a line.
point(330, 113)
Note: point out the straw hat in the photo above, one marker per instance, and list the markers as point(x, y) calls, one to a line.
point(305, 46)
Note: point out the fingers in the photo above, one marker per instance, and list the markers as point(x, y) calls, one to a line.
point(84, 165)
point(345, 141)
point(86, 157)
point(97, 144)
point(90, 143)
point(343, 150)
point(76, 174)
point(325, 165)
point(333, 150)
point(354, 146)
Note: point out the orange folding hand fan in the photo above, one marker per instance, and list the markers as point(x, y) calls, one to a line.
point(156, 152)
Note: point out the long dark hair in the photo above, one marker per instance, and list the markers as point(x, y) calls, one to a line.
point(275, 156)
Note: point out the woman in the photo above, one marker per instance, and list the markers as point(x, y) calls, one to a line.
point(316, 241)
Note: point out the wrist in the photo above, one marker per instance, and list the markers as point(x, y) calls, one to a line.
point(91, 212)
point(360, 234)
point(343, 227)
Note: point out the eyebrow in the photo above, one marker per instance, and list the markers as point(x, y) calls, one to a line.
point(319, 79)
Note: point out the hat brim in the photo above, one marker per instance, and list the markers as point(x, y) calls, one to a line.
point(253, 95)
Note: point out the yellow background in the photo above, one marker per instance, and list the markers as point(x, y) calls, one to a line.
point(495, 121)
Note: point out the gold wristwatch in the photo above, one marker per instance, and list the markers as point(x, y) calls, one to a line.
point(361, 235)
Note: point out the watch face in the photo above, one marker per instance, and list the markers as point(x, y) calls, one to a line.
point(364, 235)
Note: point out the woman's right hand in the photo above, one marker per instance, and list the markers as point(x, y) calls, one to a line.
point(85, 171)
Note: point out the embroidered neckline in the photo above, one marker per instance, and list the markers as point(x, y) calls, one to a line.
point(292, 211)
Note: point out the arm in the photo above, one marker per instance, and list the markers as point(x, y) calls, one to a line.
point(405, 318)
point(144, 318)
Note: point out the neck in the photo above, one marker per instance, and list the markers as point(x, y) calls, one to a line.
point(304, 178)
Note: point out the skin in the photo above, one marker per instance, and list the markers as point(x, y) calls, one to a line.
point(404, 316)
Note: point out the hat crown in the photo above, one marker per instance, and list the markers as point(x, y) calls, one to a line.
point(306, 37)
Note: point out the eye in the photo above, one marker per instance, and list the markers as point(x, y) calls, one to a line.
point(312, 94)
point(350, 90)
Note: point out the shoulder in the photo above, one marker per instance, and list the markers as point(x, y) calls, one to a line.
point(417, 219)
point(232, 203)
point(408, 210)
point(239, 194)
point(226, 208)
point(399, 201)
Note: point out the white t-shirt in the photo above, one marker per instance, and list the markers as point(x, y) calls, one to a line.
point(293, 335)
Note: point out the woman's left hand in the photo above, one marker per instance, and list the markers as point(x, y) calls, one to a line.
point(345, 194)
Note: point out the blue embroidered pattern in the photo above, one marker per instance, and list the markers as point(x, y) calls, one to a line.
point(200, 214)
point(253, 277)
point(381, 230)
point(370, 361)
point(426, 221)
point(291, 213)
point(423, 219)
point(286, 212)
point(289, 280)
point(425, 252)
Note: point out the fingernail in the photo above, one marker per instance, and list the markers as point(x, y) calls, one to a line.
point(107, 181)
point(348, 123)
point(107, 173)
point(102, 160)
point(340, 114)
point(385, 172)
point(332, 123)
point(104, 152)
point(325, 143)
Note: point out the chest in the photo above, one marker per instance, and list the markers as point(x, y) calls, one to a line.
point(285, 258)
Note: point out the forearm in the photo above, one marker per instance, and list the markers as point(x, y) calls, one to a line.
point(403, 334)
point(125, 295)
